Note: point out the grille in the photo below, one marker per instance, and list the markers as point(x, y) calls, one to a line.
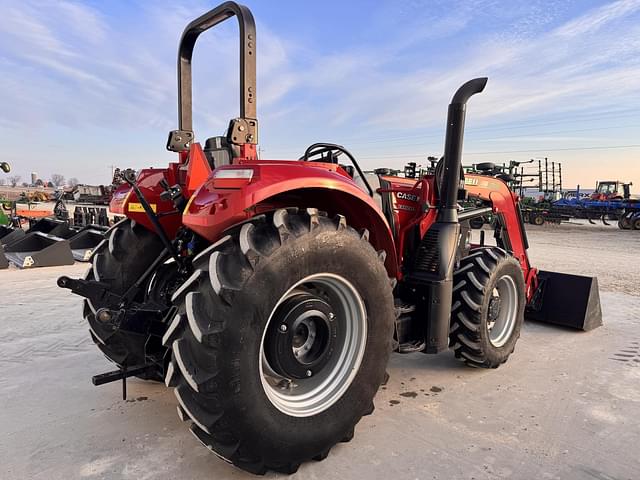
point(428, 259)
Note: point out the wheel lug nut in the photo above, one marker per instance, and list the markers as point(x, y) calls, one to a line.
point(283, 327)
point(309, 373)
point(331, 316)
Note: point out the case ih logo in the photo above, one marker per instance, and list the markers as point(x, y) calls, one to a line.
point(407, 196)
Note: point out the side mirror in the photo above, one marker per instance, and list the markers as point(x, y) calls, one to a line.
point(5, 167)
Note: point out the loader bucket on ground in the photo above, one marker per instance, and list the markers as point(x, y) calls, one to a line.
point(11, 236)
point(39, 249)
point(4, 231)
point(4, 263)
point(567, 300)
point(83, 243)
point(52, 226)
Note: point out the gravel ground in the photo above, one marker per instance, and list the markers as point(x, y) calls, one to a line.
point(565, 406)
point(609, 253)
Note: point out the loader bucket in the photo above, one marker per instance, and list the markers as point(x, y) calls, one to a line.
point(37, 249)
point(51, 226)
point(4, 263)
point(567, 300)
point(4, 231)
point(11, 235)
point(83, 243)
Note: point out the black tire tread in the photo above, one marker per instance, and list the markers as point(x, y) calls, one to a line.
point(225, 266)
point(116, 262)
point(470, 287)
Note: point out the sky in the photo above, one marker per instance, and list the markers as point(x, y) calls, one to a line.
point(88, 85)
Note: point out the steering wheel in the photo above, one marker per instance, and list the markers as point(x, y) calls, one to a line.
point(320, 149)
point(335, 151)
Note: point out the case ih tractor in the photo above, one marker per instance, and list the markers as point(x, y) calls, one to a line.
point(269, 294)
point(611, 190)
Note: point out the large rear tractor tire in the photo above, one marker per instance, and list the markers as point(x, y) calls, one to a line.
point(281, 339)
point(488, 307)
point(119, 261)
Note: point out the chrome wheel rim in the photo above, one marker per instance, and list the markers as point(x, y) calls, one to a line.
point(344, 317)
point(503, 311)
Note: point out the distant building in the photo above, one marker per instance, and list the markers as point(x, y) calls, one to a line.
point(34, 178)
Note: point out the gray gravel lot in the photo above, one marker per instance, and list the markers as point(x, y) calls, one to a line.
point(565, 406)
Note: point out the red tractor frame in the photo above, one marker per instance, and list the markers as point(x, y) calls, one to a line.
point(270, 293)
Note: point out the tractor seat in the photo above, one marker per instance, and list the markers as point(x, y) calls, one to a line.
point(218, 152)
point(374, 183)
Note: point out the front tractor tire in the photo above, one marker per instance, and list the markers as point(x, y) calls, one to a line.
point(281, 339)
point(488, 307)
point(119, 261)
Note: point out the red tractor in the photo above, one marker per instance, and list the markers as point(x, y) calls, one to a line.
point(269, 294)
point(611, 190)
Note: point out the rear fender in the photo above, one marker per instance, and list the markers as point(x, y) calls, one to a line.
point(218, 205)
point(125, 201)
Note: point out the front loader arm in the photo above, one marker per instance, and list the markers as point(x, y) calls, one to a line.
point(504, 204)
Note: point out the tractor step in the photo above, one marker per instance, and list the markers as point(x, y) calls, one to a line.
point(411, 347)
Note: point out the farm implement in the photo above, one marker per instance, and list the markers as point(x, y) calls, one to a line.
point(47, 243)
point(626, 211)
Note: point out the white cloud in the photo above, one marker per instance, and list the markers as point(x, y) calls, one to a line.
point(69, 64)
point(598, 18)
point(579, 65)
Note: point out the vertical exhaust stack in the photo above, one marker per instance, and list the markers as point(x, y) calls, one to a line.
point(453, 148)
point(433, 269)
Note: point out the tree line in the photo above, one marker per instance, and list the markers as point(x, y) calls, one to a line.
point(56, 180)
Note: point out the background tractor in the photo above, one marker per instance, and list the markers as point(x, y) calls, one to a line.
point(269, 294)
point(611, 190)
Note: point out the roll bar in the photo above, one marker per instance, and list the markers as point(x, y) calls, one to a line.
point(243, 129)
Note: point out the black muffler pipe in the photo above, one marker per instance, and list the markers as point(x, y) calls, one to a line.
point(447, 228)
point(448, 212)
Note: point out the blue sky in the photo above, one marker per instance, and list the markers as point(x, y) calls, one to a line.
point(86, 85)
